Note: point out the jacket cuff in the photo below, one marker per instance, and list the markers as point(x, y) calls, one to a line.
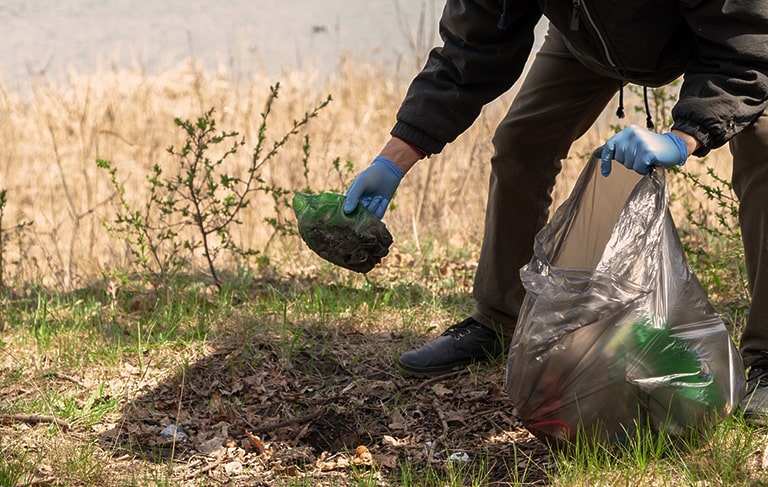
point(417, 138)
point(694, 130)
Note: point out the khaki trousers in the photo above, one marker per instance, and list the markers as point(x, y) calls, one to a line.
point(558, 102)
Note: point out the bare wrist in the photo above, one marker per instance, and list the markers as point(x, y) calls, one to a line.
point(691, 141)
point(401, 153)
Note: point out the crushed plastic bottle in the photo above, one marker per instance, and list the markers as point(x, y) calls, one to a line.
point(357, 241)
point(679, 387)
point(458, 457)
point(177, 433)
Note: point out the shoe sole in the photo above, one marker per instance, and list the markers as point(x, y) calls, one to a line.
point(432, 371)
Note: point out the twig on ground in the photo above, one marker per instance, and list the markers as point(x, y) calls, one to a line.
point(33, 419)
point(67, 378)
point(205, 469)
point(288, 422)
point(441, 415)
point(433, 380)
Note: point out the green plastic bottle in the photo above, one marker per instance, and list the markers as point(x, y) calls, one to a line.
point(357, 241)
point(678, 389)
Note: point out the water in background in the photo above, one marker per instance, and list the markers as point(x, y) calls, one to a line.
point(48, 36)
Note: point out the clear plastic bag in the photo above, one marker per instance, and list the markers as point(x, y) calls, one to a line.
point(616, 332)
point(357, 241)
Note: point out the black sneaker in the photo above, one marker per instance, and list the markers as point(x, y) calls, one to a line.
point(460, 345)
point(755, 403)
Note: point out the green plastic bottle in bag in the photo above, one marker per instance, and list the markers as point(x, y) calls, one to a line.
point(357, 241)
point(679, 387)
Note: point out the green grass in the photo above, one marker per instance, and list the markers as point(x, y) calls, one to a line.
point(16, 468)
point(97, 359)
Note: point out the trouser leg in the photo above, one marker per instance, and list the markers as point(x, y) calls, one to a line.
point(750, 183)
point(558, 101)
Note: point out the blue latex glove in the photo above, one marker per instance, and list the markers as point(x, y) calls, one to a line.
point(639, 149)
point(374, 187)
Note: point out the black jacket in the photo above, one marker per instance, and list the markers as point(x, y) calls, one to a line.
point(720, 46)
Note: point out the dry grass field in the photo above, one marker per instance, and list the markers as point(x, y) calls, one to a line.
point(53, 135)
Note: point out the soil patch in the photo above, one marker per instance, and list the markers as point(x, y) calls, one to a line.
point(261, 414)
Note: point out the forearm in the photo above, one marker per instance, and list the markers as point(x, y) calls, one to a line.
point(401, 153)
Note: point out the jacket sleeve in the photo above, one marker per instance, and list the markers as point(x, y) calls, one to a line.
point(477, 62)
point(725, 88)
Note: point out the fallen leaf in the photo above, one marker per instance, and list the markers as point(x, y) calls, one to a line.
point(455, 417)
point(441, 391)
point(337, 463)
point(388, 461)
point(380, 388)
point(215, 404)
point(211, 446)
point(398, 422)
point(392, 441)
point(256, 442)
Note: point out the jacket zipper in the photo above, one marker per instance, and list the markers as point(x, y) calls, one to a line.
point(580, 10)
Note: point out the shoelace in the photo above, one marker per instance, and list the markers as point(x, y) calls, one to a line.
point(459, 330)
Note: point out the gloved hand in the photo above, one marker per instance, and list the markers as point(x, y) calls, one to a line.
point(374, 187)
point(639, 149)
